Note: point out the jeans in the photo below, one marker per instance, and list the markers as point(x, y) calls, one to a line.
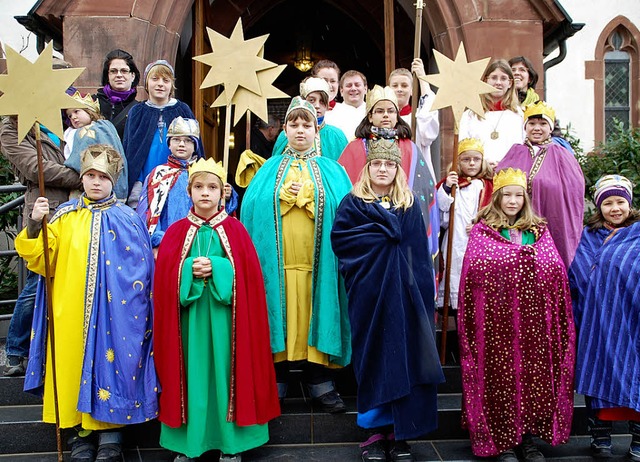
point(19, 334)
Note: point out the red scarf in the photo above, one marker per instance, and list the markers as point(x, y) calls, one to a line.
point(332, 104)
point(497, 106)
point(405, 110)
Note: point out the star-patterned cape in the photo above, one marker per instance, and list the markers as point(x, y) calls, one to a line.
point(517, 342)
point(118, 381)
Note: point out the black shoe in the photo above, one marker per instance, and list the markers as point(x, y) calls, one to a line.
point(601, 447)
point(374, 449)
point(110, 447)
point(16, 366)
point(331, 402)
point(507, 456)
point(530, 451)
point(82, 448)
point(400, 451)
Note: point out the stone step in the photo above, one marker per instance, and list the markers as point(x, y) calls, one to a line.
point(576, 450)
point(300, 423)
point(11, 393)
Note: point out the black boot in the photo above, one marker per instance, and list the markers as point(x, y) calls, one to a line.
point(600, 437)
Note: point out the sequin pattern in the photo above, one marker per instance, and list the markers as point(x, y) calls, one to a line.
point(517, 342)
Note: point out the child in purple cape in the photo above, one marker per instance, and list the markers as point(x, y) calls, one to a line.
point(516, 331)
point(555, 182)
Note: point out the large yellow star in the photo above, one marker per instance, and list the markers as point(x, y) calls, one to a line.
point(35, 92)
point(234, 62)
point(246, 100)
point(459, 83)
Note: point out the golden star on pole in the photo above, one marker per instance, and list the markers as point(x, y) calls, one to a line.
point(459, 83)
point(246, 100)
point(234, 61)
point(35, 92)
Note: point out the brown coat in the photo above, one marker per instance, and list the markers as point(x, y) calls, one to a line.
point(59, 180)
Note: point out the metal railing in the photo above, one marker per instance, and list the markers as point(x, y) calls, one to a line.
point(5, 208)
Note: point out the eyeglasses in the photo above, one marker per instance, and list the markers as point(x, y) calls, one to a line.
point(468, 160)
point(180, 139)
point(388, 164)
point(382, 111)
point(119, 71)
point(498, 78)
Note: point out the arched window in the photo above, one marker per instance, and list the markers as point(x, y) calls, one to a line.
point(616, 77)
point(617, 87)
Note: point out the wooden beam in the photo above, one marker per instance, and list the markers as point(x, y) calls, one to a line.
point(198, 68)
point(389, 38)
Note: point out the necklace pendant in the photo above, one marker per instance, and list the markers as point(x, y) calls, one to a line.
point(205, 282)
point(495, 135)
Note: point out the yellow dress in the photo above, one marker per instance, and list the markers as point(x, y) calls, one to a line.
point(298, 224)
point(69, 245)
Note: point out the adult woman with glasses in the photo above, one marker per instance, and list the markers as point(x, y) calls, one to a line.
point(120, 75)
point(383, 122)
point(379, 238)
point(501, 126)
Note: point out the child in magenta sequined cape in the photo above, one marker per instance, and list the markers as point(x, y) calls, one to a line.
point(516, 331)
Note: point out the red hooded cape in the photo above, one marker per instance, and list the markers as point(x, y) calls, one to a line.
point(254, 396)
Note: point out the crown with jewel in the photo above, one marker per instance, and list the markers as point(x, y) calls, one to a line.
point(470, 144)
point(102, 158)
point(509, 177)
point(383, 149)
point(86, 102)
point(209, 166)
point(378, 94)
point(541, 109)
point(301, 103)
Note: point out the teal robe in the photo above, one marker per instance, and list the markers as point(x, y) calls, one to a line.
point(329, 327)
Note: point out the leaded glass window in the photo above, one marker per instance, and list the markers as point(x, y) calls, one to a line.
point(616, 86)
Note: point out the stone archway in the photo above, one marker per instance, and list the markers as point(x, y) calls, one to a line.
point(151, 29)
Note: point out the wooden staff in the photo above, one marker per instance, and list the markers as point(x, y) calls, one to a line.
point(417, 40)
point(48, 290)
point(247, 134)
point(447, 270)
point(227, 133)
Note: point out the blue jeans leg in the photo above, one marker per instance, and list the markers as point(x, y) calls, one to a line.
point(19, 334)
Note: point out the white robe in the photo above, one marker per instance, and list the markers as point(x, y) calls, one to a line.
point(466, 209)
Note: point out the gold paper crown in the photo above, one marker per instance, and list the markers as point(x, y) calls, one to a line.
point(86, 102)
point(509, 177)
point(470, 144)
point(183, 127)
point(379, 94)
point(209, 166)
point(541, 109)
point(383, 149)
point(102, 158)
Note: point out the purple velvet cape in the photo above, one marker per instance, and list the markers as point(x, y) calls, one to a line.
point(517, 342)
point(556, 190)
point(387, 267)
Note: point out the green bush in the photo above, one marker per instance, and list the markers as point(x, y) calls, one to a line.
point(620, 154)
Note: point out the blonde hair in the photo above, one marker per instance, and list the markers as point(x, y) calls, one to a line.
point(400, 71)
point(494, 217)
point(198, 175)
point(510, 99)
point(486, 171)
point(400, 195)
point(163, 72)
